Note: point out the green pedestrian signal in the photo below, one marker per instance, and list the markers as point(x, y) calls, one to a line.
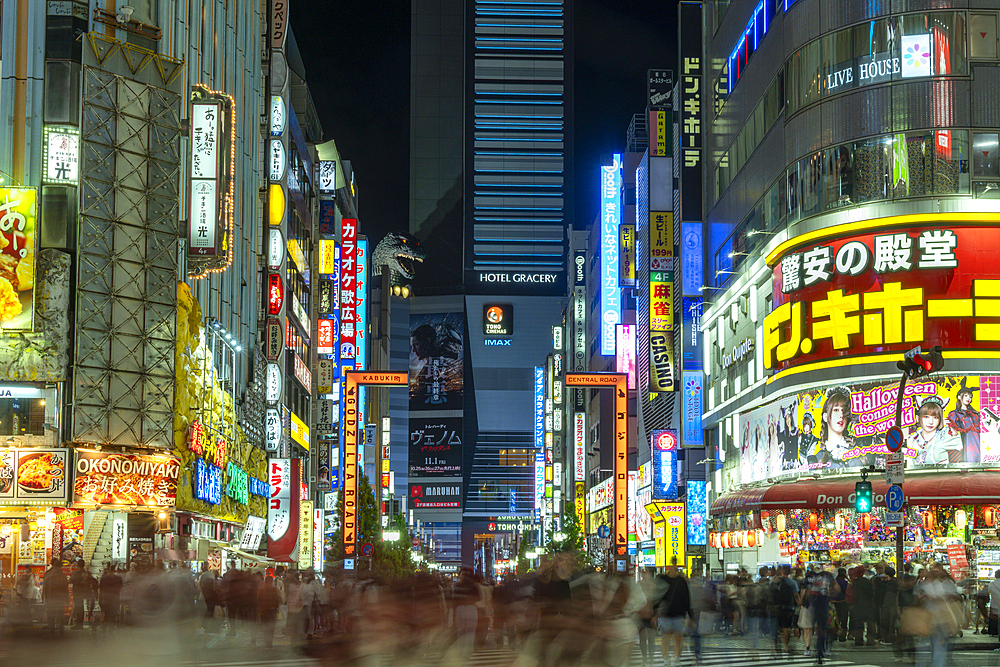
point(863, 497)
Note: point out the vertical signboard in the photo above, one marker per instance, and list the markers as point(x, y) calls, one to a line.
point(348, 291)
point(539, 484)
point(625, 353)
point(283, 509)
point(664, 446)
point(675, 534)
point(694, 436)
point(305, 528)
point(206, 121)
point(579, 442)
point(689, 43)
point(611, 183)
point(18, 231)
point(626, 250)
point(619, 383)
point(539, 407)
point(660, 89)
point(662, 369)
point(697, 512)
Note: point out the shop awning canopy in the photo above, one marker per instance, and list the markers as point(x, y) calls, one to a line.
point(943, 488)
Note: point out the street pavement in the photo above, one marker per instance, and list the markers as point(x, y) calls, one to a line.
point(183, 647)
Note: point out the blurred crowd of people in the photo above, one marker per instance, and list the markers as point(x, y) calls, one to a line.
point(554, 615)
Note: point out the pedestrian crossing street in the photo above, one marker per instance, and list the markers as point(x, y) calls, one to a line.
point(713, 657)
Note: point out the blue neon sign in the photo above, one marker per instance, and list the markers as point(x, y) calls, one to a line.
point(611, 310)
point(664, 454)
point(539, 407)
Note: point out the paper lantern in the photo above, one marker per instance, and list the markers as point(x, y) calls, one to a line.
point(928, 521)
point(760, 537)
point(781, 522)
point(752, 538)
point(989, 516)
point(813, 521)
point(960, 519)
point(865, 522)
point(725, 540)
point(839, 522)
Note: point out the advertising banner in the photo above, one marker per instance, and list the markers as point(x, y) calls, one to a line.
point(141, 529)
point(691, 311)
point(625, 352)
point(305, 527)
point(432, 495)
point(30, 475)
point(611, 185)
point(579, 440)
point(435, 447)
point(689, 36)
point(348, 274)
point(697, 508)
point(105, 478)
point(662, 371)
point(873, 294)
point(626, 250)
point(283, 509)
point(663, 450)
point(945, 419)
point(694, 435)
point(436, 361)
point(18, 237)
point(674, 532)
point(661, 241)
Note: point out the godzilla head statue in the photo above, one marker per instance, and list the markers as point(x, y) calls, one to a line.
point(399, 252)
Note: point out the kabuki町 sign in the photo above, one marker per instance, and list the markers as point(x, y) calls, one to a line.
point(880, 292)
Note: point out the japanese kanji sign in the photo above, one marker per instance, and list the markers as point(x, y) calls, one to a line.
point(880, 292)
point(352, 380)
point(348, 274)
point(619, 383)
point(105, 478)
point(435, 446)
point(283, 509)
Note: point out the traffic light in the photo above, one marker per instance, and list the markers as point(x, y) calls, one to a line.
point(863, 497)
point(936, 358)
point(918, 364)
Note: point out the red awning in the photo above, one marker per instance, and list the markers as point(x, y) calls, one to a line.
point(946, 488)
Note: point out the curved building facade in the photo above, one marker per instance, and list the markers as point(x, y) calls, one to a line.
point(852, 214)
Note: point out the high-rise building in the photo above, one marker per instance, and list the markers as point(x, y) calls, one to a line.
point(491, 200)
point(851, 169)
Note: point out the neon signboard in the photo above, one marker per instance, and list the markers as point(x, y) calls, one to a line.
point(611, 184)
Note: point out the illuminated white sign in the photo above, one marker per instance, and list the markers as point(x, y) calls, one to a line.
point(272, 429)
point(579, 433)
point(916, 55)
point(277, 160)
point(20, 391)
point(557, 338)
point(275, 249)
point(272, 383)
point(611, 184)
point(277, 115)
point(327, 176)
point(62, 155)
point(205, 138)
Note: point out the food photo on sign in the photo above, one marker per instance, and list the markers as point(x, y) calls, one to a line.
point(18, 209)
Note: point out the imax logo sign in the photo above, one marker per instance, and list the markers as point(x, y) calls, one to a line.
point(498, 342)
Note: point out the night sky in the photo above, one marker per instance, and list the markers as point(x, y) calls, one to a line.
point(357, 66)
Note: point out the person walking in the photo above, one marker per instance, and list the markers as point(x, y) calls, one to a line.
point(861, 609)
point(807, 619)
point(208, 583)
point(268, 601)
point(109, 596)
point(839, 602)
point(784, 593)
point(673, 612)
point(644, 617)
point(994, 592)
point(55, 595)
point(81, 593)
point(822, 586)
point(890, 606)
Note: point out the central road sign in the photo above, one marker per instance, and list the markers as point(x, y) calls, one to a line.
point(894, 498)
point(894, 439)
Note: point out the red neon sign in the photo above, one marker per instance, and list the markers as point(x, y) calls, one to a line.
point(275, 294)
